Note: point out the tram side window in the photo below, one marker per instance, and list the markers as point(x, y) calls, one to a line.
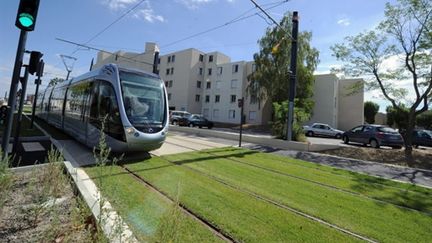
point(104, 106)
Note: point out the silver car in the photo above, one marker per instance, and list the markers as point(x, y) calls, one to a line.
point(320, 129)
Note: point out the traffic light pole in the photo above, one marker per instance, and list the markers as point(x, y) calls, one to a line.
point(20, 109)
point(13, 91)
point(293, 76)
point(38, 82)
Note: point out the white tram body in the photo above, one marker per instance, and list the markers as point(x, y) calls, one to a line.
point(132, 105)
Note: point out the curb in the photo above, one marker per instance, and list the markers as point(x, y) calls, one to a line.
point(109, 220)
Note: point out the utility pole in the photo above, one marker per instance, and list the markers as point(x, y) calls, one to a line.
point(23, 81)
point(293, 76)
point(13, 92)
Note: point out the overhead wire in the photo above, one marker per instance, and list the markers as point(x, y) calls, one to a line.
point(234, 20)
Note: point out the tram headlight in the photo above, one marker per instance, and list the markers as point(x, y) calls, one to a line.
point(130, 130)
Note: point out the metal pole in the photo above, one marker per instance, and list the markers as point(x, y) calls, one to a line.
point(293, 76)
point(241, 121)
point(67, 77)
point(13, 91)
point(38, 82)
point(20, 109)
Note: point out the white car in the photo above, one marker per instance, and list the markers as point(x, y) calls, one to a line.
point(320, 129)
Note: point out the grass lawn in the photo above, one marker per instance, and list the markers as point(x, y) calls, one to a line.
point(361, 204)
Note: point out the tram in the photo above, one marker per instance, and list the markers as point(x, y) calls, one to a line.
point(130, 105)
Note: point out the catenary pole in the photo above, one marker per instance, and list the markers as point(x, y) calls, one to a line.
point(20, 109)
point(293, 76)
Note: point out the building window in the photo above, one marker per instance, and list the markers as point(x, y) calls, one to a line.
point(219, 71)
point(217, 98)
point(167, 71)
point(201, 57)
point(173, 58)
point(169, 96)
point(211, 58)
point(207, 98)
point(252, 115)
point(234, 83)
point(208, 85)
point(166, 84)
point(197, 98)
point(172, 70)
point(235, 68)
point(170, 83)
point(209, 71)
point(200, 71)
point(169, 59)
point(233, 98)
point(206, 112)
point(215, 113)
point(218, 84)
point(199, 84)
point(231, 114)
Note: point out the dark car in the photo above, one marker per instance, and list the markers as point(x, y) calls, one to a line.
point(375, 135)
point(195, 121)
point(422, 138)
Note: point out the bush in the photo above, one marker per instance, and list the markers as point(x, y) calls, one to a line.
point(279, 121)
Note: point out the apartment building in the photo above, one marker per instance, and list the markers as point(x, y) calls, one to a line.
point(337, 101)
point(210, 84)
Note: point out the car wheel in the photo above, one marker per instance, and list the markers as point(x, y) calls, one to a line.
point(310, 134)
point(416, 146)
point(346, 140)
point(200, 126)
point(374, 143)
point(190, 125)
point(174, 122)
point(209, 127)
point(338, 136)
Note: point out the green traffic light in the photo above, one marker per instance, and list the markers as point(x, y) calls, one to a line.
point(26, 19)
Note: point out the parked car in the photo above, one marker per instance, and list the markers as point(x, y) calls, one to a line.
point(320, 129)
point(375, 135)
point(176, 115)
point(195, 120)
point(422, 138)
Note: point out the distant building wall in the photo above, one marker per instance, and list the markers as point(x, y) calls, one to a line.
point(325, 98)
point(351, 112)
point(381, 118)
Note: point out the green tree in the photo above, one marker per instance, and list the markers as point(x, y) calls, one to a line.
point(55, 81)
point(271, 78)
point(370, 110)
point(425, 120)
point(403, 37)
point(397, 117)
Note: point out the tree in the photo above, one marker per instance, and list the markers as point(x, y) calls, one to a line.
point(403, 37)
point(55, 81)
point(397, 117)
point(425, 120)
point(370, 110)
point(271, 78)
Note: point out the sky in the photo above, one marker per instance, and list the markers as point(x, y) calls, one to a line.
point(168, 21)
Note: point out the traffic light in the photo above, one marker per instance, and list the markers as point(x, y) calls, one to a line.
point(27, 13)
point(35, 57)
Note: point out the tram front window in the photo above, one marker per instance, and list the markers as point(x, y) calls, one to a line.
point(143, 99)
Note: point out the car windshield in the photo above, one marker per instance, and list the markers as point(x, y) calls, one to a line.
point(386, 129)
point(143, 97)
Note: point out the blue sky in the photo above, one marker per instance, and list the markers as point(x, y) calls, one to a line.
point(166, 21)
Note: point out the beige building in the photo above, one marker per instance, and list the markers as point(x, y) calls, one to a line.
point(338, 102)
point(210, 84)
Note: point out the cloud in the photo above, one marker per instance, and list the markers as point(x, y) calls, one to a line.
point(143, 11)
point(344, 22)
point(195, 4)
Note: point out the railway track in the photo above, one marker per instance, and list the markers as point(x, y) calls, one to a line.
point(273, 202)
